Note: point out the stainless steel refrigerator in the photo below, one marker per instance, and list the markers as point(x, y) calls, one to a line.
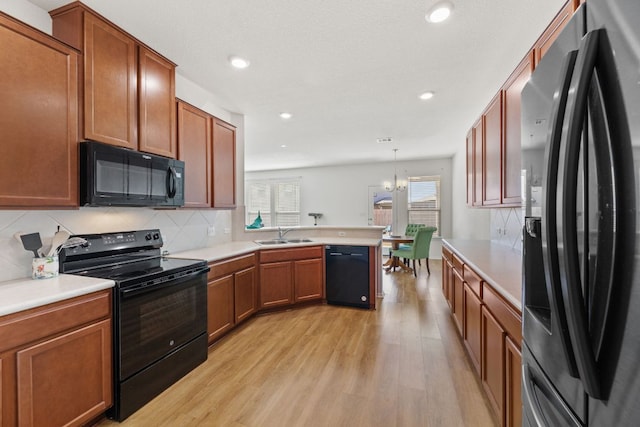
point(581, 259)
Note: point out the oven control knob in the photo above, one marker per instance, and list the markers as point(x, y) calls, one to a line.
point(147, 236)
point(156, 236)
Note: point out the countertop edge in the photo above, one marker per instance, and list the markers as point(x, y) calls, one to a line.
point(25, 294)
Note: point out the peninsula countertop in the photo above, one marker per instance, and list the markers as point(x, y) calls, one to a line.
point(499, 265)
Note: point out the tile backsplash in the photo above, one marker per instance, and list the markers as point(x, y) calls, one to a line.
point(181, 229)
point(506, 227)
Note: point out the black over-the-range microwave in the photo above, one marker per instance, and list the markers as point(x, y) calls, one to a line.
point(116, 176)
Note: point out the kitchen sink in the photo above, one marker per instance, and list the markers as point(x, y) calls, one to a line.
point(282, 241)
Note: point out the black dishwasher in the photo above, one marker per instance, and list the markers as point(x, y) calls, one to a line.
point(347, 275)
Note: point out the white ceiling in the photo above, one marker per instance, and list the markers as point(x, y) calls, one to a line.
point(350, 71)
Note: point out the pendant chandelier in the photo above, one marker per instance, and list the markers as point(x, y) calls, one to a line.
point(397, 185)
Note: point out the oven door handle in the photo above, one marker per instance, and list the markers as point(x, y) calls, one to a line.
point(162, 283)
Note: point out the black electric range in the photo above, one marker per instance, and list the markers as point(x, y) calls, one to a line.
point(159, 311)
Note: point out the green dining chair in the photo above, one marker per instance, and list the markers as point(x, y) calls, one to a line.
point(419, 249)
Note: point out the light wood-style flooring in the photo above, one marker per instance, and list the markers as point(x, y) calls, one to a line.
point(400, 365)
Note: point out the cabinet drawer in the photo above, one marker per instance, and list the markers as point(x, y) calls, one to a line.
point(291, 254)
point(226, 267)
point(446, 253)
point(34, 324)
point(473, 280)
point(504, 314)
point(457, 263)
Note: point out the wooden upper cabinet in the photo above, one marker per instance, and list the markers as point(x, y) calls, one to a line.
point(224, 165)
point(511, 144)
point(129, 91)
point(194, 148)
point(553, 30)
point(38, 118)
point(470, 169)
point(478, 138)
point(156, 104)
point(491, 152)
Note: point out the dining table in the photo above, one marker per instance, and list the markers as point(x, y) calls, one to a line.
point(394, 261)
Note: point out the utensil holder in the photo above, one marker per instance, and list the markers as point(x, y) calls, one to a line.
point(45, 267)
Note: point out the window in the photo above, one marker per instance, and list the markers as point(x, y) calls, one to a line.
point(278, 202)
point(424, 201)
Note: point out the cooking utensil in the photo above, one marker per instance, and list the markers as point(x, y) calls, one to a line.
point(59, 238)
point(32, 242)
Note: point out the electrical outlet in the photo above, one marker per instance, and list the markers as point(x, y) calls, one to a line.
point(227, 231)
point(211, 231)
point(341, 233)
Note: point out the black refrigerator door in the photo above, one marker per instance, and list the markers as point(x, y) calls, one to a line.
point(617, 124)
point(544, 317)
point(542, 405)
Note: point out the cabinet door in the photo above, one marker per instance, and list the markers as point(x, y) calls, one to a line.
point(513, 385)
point(66, 380)
point(308, 280)
point(511, 143)
point(553, 30)
point(458, 299)
point(220, 316)
point(276, 284)
point(194, 149)
point(110, 84)
point(472, 325)
point(491, 152)
point(492, 360)
point(478, 138)
point(246, 298)
point(38, 119)
point(224, 165)
point(470, 169)
point(156, 104)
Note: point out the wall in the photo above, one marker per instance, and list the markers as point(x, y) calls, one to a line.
point(181, 229)
point(341, 193)
point(470, 223)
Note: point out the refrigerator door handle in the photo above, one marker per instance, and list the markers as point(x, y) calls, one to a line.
point(595, 55)
point(549, 233)
point(531, 401)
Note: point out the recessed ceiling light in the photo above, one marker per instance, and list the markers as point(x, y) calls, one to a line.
point(439, 12)
point(285, 115)
point(238, 62)
point(426, 95)
point(283, 146)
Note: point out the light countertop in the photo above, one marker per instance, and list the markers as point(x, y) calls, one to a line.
point(231, 249)
point(23, 294)
point(498, 265)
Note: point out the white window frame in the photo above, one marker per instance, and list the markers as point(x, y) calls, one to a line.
point(273, 215)
point(437, 209)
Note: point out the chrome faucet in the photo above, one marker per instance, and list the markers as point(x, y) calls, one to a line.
point(282, 232)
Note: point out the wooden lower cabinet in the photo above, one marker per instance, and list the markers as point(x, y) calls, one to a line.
point(56, 363)
point(231, 294)
point(220, 307)
point(513, 382)
point(492, 372)
point(65, 380)
point(458, 299)
point(276, 283)
point(308, 279)
point(491, 329)
point(472, 325)
point(245, 294)
point(289, 276)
